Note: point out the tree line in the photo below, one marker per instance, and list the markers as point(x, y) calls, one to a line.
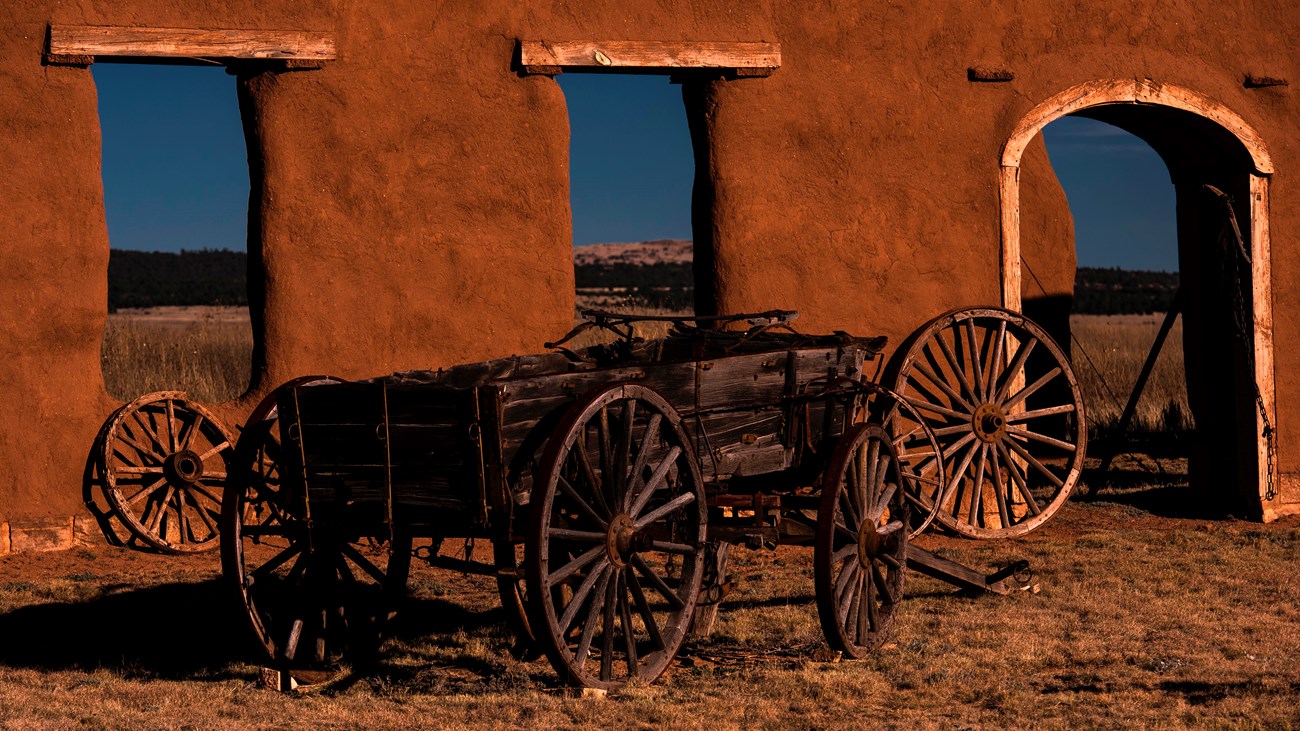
point(220, 277)
point(188, 278)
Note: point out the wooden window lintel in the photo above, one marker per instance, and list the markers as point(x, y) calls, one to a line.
point(738, 58)
point(80, 45)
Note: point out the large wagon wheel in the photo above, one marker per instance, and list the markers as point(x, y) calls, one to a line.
point(164, 464)
point(860, 558)
point(1008, 411)
point(312, 601)
point(615, 555)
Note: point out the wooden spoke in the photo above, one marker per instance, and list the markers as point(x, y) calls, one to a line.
point(656, 481)
point(657, 583)
point(589, 472)
point(1043, 438)
point(593, 616)
point(1019, 480)
point(996, 352)
point(935, 408)
point(625, 620)
point(1031, 389)
point(574, 566)
point(957, 369)
point(678, 502)
point(999, 490)
point(579, 598)
point(957, 399)
point(648, 440)
point(976, 356)
point(1039, 413)
point(581, 536)
point(977, 494)
point(1017, 365)
point(580, 503)
point(670, 547)
point(643, 608)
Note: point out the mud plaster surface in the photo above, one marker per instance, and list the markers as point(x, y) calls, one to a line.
point(413, 195)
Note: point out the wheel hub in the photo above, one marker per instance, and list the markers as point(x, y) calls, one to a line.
point(868, 542)
point(989, 422)
point(623, 540)
point(184, 467)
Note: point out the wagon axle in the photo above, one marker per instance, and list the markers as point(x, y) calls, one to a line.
point(183, 468)
point(623, 540)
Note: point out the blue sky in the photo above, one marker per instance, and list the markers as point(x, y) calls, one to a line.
point(176, 173)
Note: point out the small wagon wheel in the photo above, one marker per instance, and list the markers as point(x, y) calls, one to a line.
point(1008, 411)
point(919, 453)
point(164, 465)
point(860, 558)
point(615, 555)
point(311, 601)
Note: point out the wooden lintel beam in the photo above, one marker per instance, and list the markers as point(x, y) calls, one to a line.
point(739, 58)
point(81, 44)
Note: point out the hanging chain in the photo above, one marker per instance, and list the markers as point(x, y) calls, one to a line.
point(1234, 248)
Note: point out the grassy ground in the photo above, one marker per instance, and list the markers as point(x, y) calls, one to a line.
point(1143, 620)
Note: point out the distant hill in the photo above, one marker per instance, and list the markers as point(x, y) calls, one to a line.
point(654, 273)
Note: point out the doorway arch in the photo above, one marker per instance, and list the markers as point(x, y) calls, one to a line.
point(1240, 155)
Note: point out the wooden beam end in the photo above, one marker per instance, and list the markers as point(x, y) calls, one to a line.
point(989, 74)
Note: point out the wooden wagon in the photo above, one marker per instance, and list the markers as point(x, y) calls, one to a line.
point(612, 480)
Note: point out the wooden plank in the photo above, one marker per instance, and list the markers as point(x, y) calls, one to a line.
point(743, 58)
point(69, 43)
point(1261, 258)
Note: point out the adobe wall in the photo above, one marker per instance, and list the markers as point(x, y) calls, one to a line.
point(414, 194)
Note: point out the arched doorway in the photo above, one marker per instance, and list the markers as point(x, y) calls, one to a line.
point(1204, 144)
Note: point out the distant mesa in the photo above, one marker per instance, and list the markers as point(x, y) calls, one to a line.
point(641, 253)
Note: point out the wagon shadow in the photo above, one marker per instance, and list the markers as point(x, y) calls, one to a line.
point(186, 631)
point(172, 631)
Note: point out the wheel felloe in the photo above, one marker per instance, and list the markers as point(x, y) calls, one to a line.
point(615, 555)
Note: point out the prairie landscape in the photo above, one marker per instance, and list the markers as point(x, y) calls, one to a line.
point(1148, 614)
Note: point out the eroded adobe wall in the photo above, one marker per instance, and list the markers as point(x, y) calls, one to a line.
point(414, 192)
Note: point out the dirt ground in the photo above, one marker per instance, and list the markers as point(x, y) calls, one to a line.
point(1149, 615)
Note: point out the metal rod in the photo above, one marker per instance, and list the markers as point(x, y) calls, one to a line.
point(1130, 409)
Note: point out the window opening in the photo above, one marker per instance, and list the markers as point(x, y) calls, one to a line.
point(176, 196)
point(632, 168)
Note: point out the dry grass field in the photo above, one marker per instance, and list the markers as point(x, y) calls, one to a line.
point(1147, 618)
point(205, 351)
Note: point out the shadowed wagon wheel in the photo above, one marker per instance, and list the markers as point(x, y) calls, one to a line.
point(859, 560)
point(615, 555)
point(164, 465)
point(1000, 395)
point(512, 588)
point(313, 601)
point(920, 454)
